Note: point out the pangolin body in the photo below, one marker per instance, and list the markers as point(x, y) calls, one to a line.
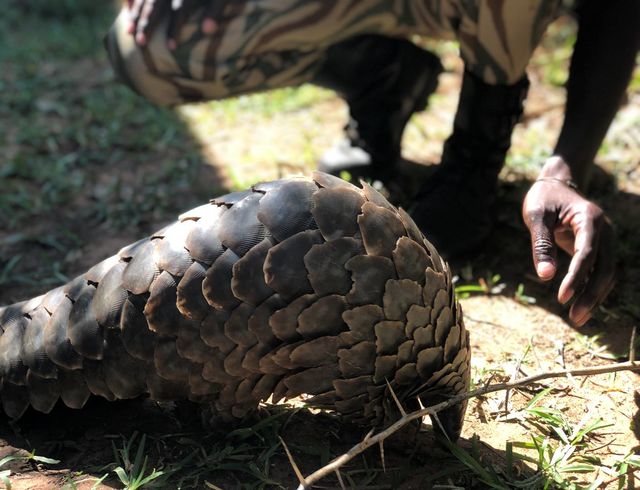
point(298, 286)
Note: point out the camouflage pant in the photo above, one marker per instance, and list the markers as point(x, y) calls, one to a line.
point(265, 44)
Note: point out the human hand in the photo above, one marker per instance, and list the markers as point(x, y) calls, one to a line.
point(557, 215)
point(145, 14)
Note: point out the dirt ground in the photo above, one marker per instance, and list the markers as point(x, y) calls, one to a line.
point(516, 326)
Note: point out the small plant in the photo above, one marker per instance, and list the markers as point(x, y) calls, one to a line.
point(245, 452)
point(523, 298)
point(491, 285)
point(559, 451)
point(592, 345)
point(132, 474)
point(472, 460)
point(559, 462)
point(620, 469)
point(72, 484)
point(5, 474)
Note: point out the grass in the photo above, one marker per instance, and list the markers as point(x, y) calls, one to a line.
point(557, 456)
point(491, 284)
point(57, 135)
point(249, 457)
point(562, 451)
point(5, 474)
point(61, 129)
point(132, 473)
point(267, 104)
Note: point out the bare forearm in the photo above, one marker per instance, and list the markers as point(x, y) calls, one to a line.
point(601, 66)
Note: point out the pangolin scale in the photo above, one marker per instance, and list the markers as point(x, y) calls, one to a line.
point(298, 286)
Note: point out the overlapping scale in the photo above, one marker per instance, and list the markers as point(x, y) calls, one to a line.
point(248, 282)
point(240, 239)
point(294, 287)
point(216, 286)
point(160, 310)
point(284, 266)
point(83, 330)
point(325, 264)
point(286, 210)
point(336, 211)
point(141, 269)
point(33, 345)
point(203, 242)
point(109, 297)
point(169, 252)
point(189, 297)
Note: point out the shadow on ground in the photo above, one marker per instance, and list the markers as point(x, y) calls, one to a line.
point(508, 253)
point(86, 165)
point(251, 454)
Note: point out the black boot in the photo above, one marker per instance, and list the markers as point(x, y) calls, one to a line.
point(383, 80)
point(454, 207)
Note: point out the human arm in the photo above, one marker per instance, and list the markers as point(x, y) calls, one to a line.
point(555, 213)
point(145, 15)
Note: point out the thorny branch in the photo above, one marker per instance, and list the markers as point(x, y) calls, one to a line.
point(371, 440)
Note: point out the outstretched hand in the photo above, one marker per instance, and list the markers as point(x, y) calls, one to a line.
point(557, 215)
point(145, 15)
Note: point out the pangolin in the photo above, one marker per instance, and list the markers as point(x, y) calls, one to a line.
point(302, 286)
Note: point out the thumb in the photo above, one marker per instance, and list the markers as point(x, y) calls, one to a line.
point(543, 246)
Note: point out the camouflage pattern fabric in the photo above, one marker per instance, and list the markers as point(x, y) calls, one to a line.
point(266, 44)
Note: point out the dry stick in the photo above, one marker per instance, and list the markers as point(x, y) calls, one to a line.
point(418, 414)
point(303, 482)
point(483, 322)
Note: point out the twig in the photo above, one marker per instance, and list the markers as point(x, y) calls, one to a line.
point(303, 482)
point(340, 481)
point(632, 344)
point(482, 322)
point(395, 399)
point(535, 353)
point(419, 414)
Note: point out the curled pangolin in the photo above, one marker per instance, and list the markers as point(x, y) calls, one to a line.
point(296, 286)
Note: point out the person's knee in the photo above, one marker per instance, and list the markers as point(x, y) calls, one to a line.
point(131, 64)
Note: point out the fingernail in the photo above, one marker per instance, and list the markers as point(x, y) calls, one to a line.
point(172, 44)
point(565, 296)
point(141, 39)
point(545, 270)
point(583, 320)
point(580, 315)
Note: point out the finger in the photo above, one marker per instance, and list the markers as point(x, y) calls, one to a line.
point(564, 238)
point(177, 19)
point(142, 27)
point(584, 257)
point(134, 7)
point(543, 248)
point(151, 13)
point(212, 17)
point(600, 282)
